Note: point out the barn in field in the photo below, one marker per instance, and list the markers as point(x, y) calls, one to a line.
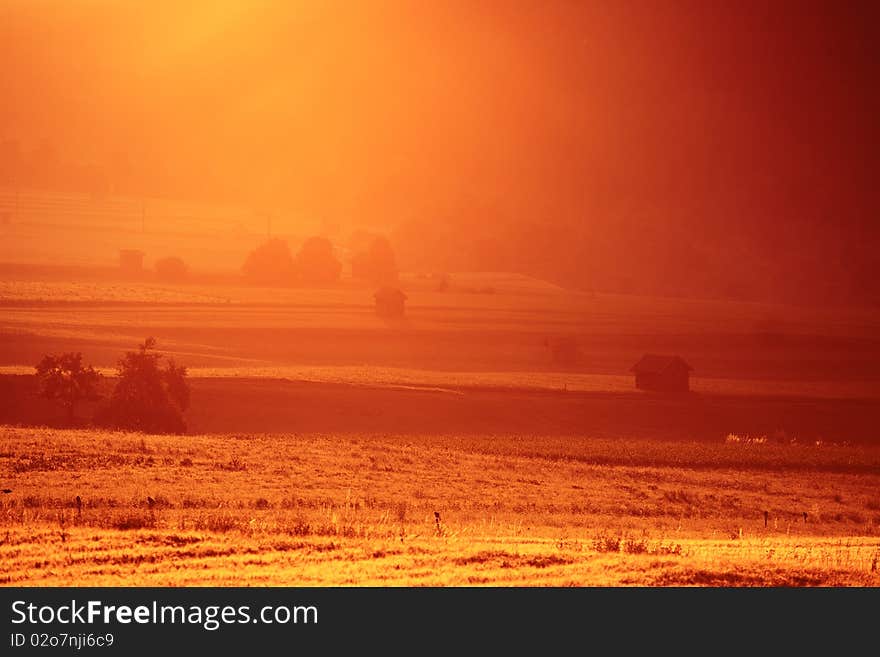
point(662, 373)
point(389, 302)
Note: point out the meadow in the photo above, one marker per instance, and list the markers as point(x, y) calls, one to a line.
point(573, 294)
point(449, 336)
point(311, 509)
point(330, 446)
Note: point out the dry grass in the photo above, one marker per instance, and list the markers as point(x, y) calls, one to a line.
point(360, 510)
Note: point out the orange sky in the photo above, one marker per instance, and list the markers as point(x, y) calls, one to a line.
point(275, 92)
point(685, 111)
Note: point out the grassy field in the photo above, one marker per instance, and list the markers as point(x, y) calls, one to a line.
point(456, 337)
point(330, 446)
point(309, 509)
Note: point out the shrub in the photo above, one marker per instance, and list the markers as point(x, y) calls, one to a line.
point(66, 379)
point(147, 397)
point(607, 543)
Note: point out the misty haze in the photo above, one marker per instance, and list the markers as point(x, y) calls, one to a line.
point(454, 294)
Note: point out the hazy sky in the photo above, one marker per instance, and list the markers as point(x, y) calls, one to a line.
point(539, 108)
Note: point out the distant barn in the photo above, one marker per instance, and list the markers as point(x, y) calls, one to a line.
point(662, 373)
point(389, 302)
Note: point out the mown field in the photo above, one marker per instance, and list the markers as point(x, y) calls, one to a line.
point(330, 446)
point(359, 509)
point(485, 329)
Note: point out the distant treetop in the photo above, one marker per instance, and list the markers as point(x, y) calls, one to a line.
point(269, 264)
point(316, 262)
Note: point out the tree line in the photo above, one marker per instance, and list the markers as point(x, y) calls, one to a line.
point(149, 395)
point(316, 263)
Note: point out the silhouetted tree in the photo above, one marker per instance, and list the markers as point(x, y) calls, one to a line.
point(66, 379)
point(269, 263)
point(171, 270)
point(316, 263)
point(147, 397)
point(376, 263)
